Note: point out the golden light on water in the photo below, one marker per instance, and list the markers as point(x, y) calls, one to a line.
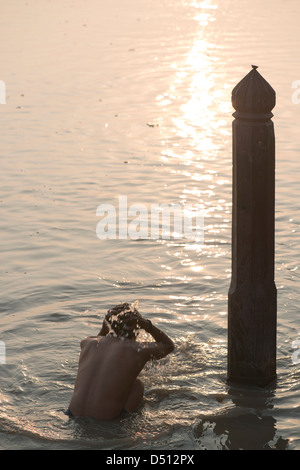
point(197, 108)
point(204, 97)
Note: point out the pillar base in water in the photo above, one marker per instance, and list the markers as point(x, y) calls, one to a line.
point(255, 377)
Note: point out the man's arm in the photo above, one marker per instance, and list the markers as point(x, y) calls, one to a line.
point(163, 344)
point(105, 329)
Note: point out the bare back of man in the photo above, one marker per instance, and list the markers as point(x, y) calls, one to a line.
point(107, 379)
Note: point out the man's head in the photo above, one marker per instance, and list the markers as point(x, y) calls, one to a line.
point(123, 320)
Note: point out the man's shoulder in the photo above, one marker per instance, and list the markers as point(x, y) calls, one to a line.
point(87, 340)
point(90, 338)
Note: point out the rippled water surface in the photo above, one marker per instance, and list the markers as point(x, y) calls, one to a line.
point(108, 99)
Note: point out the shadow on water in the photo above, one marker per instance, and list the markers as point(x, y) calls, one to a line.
point(249, 425)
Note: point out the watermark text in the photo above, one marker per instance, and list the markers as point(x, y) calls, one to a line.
point(2, 353)
point(296, 93)
point(296, 354)
point(2, 92)
point(159, 221)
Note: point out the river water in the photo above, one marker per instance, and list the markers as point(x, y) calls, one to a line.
point(111, 99)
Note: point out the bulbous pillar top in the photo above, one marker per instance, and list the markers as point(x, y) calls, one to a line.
point(253, 97)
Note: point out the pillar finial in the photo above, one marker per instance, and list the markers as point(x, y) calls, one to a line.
point(253, 97)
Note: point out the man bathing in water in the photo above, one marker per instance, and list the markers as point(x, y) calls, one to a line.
point(109, 364)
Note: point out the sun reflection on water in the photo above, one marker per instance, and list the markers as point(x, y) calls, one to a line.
point(194, 134)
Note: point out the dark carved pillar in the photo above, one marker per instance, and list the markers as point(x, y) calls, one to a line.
point(252, 304)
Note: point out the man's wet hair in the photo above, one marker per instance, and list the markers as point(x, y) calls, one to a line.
point(123, 321)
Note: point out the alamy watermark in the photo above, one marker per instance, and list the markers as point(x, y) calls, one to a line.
point(2, 92)
point(2, 353)
point(296, 354)
point(296, 93)
point(157, 221)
